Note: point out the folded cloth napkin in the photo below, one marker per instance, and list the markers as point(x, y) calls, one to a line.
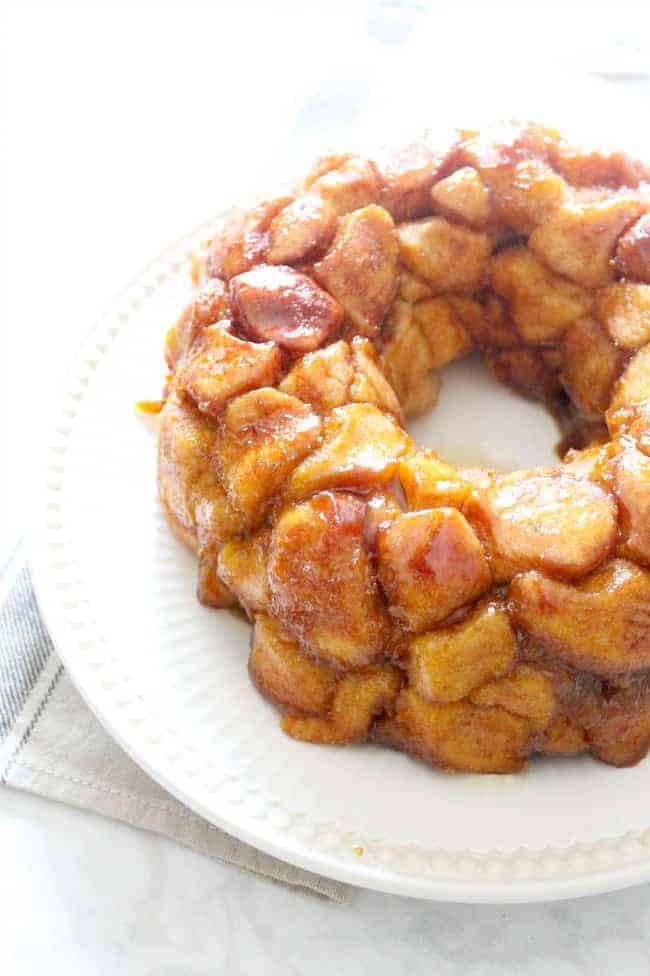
point(51, 744)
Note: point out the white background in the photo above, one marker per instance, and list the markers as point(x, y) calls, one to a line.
point(125, 126)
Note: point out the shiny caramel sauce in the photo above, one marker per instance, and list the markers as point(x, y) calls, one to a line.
point(467, 617)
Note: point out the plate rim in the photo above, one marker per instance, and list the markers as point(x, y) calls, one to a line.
point(597, 866)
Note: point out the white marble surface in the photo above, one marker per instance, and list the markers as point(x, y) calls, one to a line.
point(83, 895)
point(106, 108)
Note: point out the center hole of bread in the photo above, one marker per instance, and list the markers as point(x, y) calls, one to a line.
point(478, 422)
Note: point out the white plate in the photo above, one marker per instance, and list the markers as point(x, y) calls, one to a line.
point(168, 677)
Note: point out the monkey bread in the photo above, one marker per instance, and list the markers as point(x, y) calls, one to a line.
point(469, 617)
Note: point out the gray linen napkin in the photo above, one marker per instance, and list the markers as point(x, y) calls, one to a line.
point(51, 744)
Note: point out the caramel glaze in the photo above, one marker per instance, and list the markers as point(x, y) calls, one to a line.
point(468, 618)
